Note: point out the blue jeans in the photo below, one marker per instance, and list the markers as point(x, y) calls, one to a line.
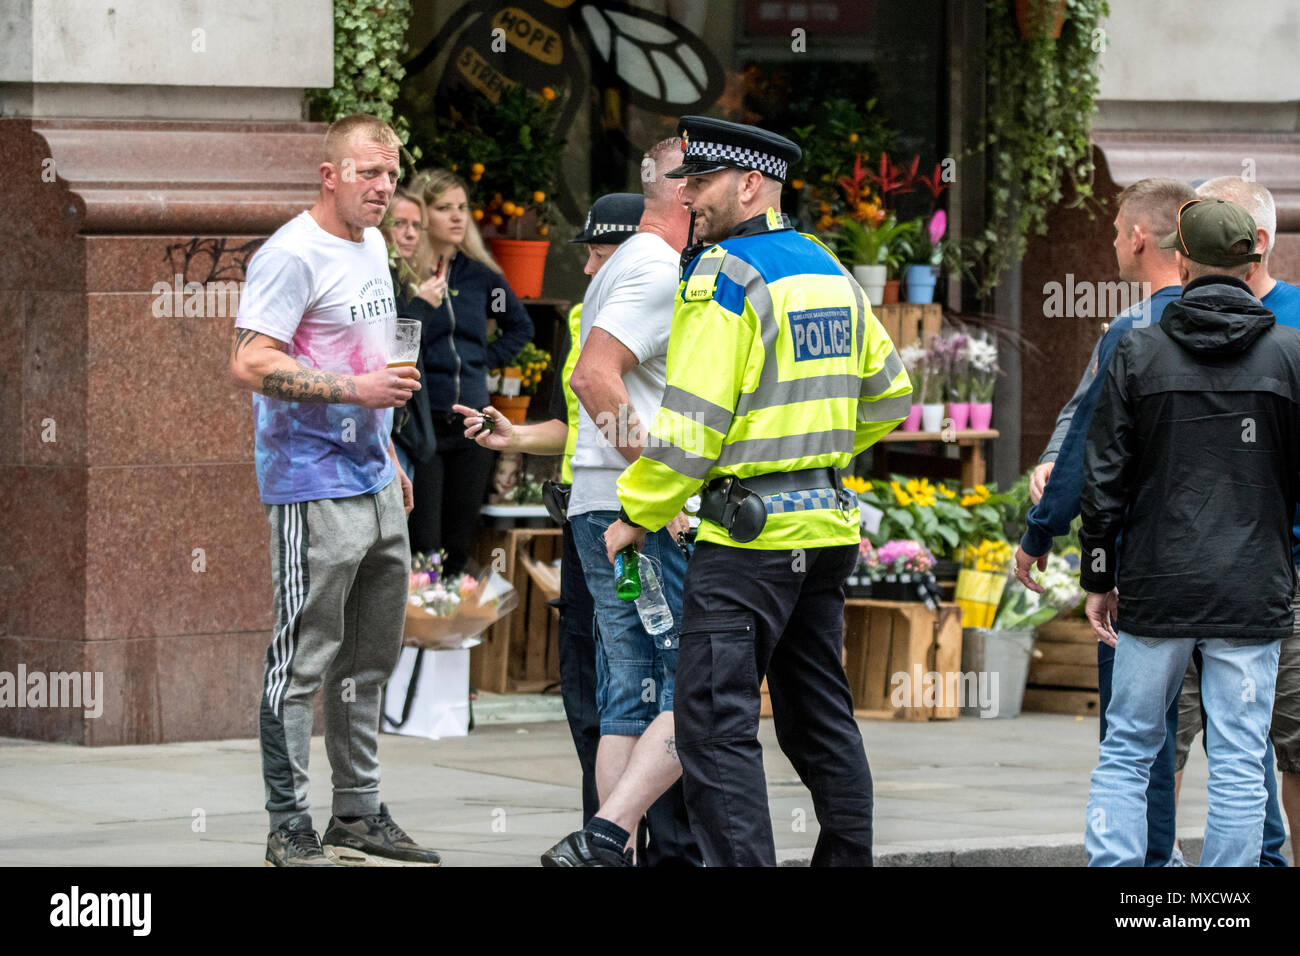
point(635, 672)
point(1237, 689)
point(1161, 806)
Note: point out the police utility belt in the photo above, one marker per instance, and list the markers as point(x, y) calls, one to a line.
point(741, 506)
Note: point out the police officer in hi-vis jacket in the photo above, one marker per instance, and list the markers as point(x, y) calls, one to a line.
point(778, 375)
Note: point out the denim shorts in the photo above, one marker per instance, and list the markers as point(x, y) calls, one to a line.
point(634, 670)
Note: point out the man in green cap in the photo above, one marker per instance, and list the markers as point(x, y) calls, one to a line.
point(1193, 454)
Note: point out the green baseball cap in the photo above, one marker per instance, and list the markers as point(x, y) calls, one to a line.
point(1207, 231)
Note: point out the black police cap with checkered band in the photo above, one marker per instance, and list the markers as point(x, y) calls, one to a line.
point(612, 218)
point(713, 144)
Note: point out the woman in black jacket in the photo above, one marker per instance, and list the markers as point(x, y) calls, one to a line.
point(449, 491)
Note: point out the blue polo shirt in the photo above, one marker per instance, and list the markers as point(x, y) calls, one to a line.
point(1060, 502)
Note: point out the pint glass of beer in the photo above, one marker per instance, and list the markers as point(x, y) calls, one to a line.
point(405, 347)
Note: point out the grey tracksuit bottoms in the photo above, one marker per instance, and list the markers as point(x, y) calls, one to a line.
point(339, 568)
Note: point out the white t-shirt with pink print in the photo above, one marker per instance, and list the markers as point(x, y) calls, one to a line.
point(332, 300)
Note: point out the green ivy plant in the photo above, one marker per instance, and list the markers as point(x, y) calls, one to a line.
point(1041, 96)
point(369, 41)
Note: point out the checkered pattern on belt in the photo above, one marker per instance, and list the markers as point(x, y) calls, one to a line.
point(788, 501)
point(718, 152)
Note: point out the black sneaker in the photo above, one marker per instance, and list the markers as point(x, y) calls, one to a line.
point(295, 843)
point(576, 849)
point(375, 841)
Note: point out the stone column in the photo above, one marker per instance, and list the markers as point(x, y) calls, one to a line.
point(149, 146)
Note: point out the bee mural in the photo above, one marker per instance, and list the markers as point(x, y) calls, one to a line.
point(646, 58)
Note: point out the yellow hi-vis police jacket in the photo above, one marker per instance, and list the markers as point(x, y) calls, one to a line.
point(570, 399)
point(775, 363)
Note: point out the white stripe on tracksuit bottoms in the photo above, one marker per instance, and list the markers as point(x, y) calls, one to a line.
point(340, 568)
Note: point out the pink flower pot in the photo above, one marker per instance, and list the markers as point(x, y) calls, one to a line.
point(913, 421)
point(981, 415)
point(959, 412)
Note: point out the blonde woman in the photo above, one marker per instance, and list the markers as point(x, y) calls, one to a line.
point(457, 357)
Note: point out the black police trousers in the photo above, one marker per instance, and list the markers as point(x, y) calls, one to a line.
point(664, 837)
point(780, 614)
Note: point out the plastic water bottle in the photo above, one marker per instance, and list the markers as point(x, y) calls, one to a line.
point(656, 615)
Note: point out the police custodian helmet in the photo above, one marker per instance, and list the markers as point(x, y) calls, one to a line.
point(712, 145)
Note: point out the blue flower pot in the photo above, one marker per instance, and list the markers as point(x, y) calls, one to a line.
point(919, 281)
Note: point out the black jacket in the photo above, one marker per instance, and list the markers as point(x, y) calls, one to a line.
point(456, 354)
point(412, 423)
point(1194, 455)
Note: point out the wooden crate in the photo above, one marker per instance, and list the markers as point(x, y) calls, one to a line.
point(907, 323)
point(885, 639)
point(520, 652)
point(1063, 669)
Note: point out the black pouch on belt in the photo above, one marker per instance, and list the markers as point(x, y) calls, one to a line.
point(740, 509)
point(737, 510)
point(555, 495)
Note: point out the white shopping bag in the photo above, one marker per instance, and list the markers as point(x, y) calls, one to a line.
point(439, 706)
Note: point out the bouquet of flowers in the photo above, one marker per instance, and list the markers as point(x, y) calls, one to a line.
point(451, 611)
point(984, 369)
point(982, 581)
point(1023, 609)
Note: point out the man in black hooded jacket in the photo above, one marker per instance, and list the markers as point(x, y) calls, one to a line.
point(1194, 455)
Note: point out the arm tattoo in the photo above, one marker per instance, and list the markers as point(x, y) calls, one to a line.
point(242, 338)
point(309, 385)
point(672, 747)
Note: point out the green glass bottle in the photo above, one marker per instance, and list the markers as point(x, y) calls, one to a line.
point(627, 577)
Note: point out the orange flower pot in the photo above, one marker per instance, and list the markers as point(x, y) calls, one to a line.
point(514, 408)
point(524, 263)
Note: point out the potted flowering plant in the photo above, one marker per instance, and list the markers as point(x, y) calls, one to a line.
point(913, 357)
point(509, 148)
point(983, 376)
point(925, 254)
point(958, 388)
point(514, 386)
point(906, 572)
point(938, 366)
point(865, 573)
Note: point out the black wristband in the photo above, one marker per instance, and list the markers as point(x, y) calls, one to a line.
point(622, 516)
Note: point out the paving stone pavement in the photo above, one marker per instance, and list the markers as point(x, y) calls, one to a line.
point(962, 792)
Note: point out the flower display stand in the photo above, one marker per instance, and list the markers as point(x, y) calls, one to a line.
point(520, 653)
point(1063, 670)
point(883, 639)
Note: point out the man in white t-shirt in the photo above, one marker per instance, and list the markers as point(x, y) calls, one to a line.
point(619, 380)
point(315, 322)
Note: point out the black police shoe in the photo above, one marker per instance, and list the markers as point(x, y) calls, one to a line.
point(295, 843)
point(375, 841)
point(576, 849)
